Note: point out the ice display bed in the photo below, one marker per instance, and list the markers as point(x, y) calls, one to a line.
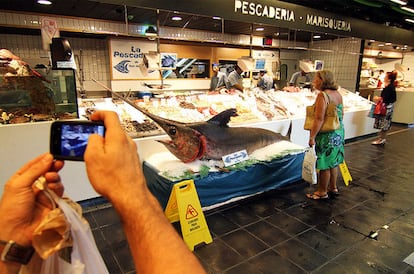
point(269, 168)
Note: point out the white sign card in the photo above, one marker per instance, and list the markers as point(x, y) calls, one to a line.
point(127, 59)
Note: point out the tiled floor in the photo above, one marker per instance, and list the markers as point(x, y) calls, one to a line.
point(284, 232)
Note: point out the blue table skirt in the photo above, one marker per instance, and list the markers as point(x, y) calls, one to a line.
point(219, 187)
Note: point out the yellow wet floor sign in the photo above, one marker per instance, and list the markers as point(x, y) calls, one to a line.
point(184, 206)
point(346, 176)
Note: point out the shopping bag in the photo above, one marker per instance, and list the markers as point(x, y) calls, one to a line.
point(83, 257)
point(380, 107)
point(371, 111)
point(309, 173)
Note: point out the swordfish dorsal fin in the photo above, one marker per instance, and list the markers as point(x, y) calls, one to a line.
point(223, 118)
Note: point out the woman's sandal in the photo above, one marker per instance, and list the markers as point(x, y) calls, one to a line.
point(316, 196)
point(333, 193)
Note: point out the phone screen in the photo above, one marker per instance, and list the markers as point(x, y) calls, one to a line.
point(70, 138)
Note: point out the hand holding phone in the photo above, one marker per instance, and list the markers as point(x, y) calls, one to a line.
point(68, 139)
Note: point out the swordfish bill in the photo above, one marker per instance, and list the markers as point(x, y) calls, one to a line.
point(211, 139)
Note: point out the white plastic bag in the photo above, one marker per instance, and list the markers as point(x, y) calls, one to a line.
point(85, 256)
point(309, 173)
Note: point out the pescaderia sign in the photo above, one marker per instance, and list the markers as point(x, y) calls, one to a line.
point(260, 10)
point(284, 14)
point(280, 14)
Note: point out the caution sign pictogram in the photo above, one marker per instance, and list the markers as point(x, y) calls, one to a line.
point(191, 212)
point(184, 206)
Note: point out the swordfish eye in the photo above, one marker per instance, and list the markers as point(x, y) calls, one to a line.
point(172, 130)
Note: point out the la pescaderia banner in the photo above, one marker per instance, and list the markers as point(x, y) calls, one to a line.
point(127, 59)
point(280, 14)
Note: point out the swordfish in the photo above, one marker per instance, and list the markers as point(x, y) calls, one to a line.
point(211, 139)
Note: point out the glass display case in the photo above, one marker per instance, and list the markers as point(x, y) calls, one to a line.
point(38, 96)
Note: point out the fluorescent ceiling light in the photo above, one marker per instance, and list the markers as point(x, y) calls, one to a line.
point(216, 17)
point(44, 2)
point(260, 29)
point(409, 20)
point(176, 18)
point(409, 9)
point(400, 2)
point(316, 36)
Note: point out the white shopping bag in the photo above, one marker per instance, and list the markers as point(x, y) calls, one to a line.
point(309, 173)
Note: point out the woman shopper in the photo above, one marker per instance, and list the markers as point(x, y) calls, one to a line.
point(329, 146)
point(389, 96)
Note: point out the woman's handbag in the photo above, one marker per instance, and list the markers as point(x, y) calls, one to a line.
point(380, 107)
point(331, 120)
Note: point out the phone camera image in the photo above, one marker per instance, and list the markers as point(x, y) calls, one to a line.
point(69, 139)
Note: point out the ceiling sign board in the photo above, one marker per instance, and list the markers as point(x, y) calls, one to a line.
point(281, 14)
point(127, 59)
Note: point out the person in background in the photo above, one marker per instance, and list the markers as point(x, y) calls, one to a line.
point(265, 80)
point(235, 78)
point(329, 146)
point(381, 79)
point(299, 78)
point(114, 170)
point(219, 79)
point(389, 97)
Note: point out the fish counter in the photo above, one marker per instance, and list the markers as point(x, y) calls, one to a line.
point(22, 142)
point(268, 168)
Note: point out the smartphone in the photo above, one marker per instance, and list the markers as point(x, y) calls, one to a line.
point(68, 139)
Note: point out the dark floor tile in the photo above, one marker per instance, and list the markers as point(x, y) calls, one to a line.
point(244, 243)
point(380, 253)
point(106, 216)
point(244, 268)
point(362, 219)
point(219, 225)
point(241, 215)
point(345, 235)
point(123, 256)
point(113, 234)
point(300, 254)
point(403, 228)
point(270, 262)
point(287, 224)
point(90, 218)
point(359, 262)
point(110, 261)
point(396, 240)
point(218, 256)
point(268, 233)
point(327, 246)
point(313, 212)
point(262, 207)
point(333, 268)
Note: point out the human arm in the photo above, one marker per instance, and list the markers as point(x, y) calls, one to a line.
point(22, 207)
point(294, 78)
point(320, 109)
point(114, 169)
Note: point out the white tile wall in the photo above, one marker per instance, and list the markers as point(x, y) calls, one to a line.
point(94, 53)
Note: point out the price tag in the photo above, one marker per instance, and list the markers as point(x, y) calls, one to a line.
point(234, 158)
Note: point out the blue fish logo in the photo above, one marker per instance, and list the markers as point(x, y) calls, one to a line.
point(122, 66)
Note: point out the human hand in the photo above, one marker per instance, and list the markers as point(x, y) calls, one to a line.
point(22, 207)
point(311, 142)
point(112, 162)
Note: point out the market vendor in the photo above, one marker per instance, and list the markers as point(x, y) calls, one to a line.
point(235, 78)
point(219, 79)
point(302, 78)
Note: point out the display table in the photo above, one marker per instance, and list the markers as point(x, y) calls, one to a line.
point(220, 187)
